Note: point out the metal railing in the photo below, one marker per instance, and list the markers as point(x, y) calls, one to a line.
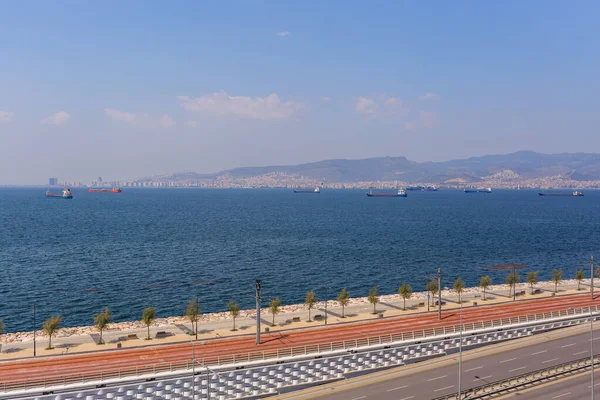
point(141, 370)
point(502, 387)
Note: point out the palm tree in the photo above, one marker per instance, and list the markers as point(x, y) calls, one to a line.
point(433, 288)
point(579, 276)
point(459, 285)
point(193, 314)
point(51, 326)
point(2, 326)
point(532, 279)
point(374, 298)
point(310, 301)
point(485, 283)
point(274, 306)
point(512, 279)
point(557, 277)
point(343, 299)
point(234, 310)
point(102, 320)
point(148, 316)
point(406, 292)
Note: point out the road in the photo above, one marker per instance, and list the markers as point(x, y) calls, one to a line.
point(86, 364)
point(444, 380)
point(576, 388)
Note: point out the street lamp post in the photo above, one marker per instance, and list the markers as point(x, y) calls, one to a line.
point(326, 297)
point(592, 348)
point(258, 283)
point(439, 294)
point(592, 276)
point(460, 355)
point(34, 329)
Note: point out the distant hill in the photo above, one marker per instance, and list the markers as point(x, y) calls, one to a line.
point(522, 165)
point(525, 164)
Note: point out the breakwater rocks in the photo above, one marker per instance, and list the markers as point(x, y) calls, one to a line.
point(468, 293)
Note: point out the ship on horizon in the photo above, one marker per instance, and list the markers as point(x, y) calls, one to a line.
point(315, 190)
point(478, 190)
point(575, 193)
point(113, 190)
point(66, 194)
point(421, 189)
point(401, 193)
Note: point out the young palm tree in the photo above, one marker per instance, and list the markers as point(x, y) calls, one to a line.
point(406, 292)
point(459, 285)
point(532, 279)
point(234, 310)
point(343, 299)
point(374, 298)
point(148, 316)
point(557, 277)
point(433, 288)
point(274, 307)
point(193, 314)
point(485, 283)
point(102, 320)
point(310, 301)
point(512, 279)
point(51, 326)
point(2, 326)
point(579, 276)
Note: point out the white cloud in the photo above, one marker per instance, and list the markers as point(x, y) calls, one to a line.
point(427, 119)
point(365, 105)
point(191, 124)
point(222, 104)
point(60, 118)
point(6, 116)
point(122, 116)
point(429, 96)
point(283, 33)
point(167, 122)
point(394, 105)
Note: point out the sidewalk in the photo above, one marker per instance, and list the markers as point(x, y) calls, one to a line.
point(361, 310)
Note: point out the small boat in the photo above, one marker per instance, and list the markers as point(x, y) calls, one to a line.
point(401, 193)
point(575, 193)
point(479, 190)
point(113, 190)
point(315, 190)
point(66, 194)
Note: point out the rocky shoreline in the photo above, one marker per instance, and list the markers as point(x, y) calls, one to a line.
point(21, 337)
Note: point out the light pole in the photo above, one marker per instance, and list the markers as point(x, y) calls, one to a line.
point(34, 325)
point(326, 297)
point(193, 368)
point(460, 354)
point(592, 348)
point(592, 276)
point(197, 315)
point(439, 294)
point(258, 283)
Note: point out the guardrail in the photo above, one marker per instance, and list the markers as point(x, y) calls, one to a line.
point(152, 369)
point(504, 386)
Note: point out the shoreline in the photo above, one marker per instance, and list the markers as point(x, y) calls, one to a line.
point(224, 316)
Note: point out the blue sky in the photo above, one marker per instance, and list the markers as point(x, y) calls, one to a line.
point(131, 89)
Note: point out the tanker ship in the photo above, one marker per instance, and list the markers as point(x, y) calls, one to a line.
point(401, 193)
point(113, 190)
point(574, 194)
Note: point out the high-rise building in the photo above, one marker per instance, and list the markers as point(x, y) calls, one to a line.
point(53, 181)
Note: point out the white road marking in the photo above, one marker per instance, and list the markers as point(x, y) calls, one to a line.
point(561, 395)
point(482, 378)
point(473, 369)
point(407, 398)
point(364, 397)
point(516, 369)
point(581, 352)
point(547, 361)
point(568, 345)
point(439, 377)
point(510, 359)
point(397, 388)
point(444, 388)
point(539, 352)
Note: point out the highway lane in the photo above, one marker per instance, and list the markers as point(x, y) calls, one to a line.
point(130, 359)
point(574, 388)
point(444, 380)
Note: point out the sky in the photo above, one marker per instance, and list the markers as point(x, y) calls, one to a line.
point(126, 90)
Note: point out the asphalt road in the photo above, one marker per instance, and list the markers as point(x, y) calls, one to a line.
point(444, 380)
point(569, 389)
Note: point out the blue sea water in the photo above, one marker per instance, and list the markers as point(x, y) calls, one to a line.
point(163, 247)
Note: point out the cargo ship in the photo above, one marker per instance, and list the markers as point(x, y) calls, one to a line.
point(66, 194)
point(421, 189)
point(401, 193)
point(113, 190)
point(574, 194)
point(315, 190)
point(479, 190)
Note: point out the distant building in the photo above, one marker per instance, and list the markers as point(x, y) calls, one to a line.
point(53, 181)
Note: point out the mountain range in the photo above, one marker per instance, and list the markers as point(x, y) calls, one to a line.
point(519, 165)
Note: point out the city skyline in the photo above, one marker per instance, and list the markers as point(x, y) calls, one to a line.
point(207, 87)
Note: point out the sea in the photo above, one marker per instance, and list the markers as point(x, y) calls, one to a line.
point(164, 247)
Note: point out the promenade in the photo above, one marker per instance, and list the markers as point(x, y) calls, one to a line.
point(218, 326)
point(134, 358)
